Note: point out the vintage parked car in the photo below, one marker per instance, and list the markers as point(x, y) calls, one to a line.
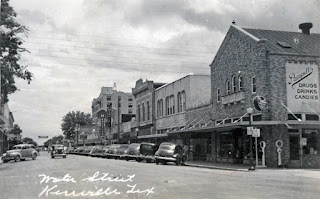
point(133, 152)
point(121, 151)
point(147, 151)
point(58, 151)
point(111, 152)
point(101, 151)
point(20, 152)
point(169, 152)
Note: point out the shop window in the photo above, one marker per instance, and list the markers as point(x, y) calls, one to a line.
point(240, 81)
point(312, 117)
point(310, 141)
point(294, 117)
point(234, 86)
point(218, 95)
point(257, 117)
point(253, 85)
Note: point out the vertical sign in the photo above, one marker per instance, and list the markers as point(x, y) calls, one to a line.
point(302, 87)
point(102, 125)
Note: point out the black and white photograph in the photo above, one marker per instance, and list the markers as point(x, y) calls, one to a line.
point(160, 99)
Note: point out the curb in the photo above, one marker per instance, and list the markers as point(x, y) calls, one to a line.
point(214, 167)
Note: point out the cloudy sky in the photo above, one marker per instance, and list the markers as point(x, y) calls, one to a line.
point(78, 46)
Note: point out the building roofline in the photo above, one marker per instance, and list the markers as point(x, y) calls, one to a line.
point(191, 74)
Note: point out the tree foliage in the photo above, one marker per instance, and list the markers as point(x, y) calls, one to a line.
point(70, 120)
point(10, 49)
point(28, 140)
point(16, 130)
point(54, 140)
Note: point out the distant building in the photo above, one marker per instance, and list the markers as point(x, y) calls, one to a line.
point(144, 93)
point(111, 108)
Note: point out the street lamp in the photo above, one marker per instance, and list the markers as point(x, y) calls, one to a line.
point(252, 167)
point(77, 128)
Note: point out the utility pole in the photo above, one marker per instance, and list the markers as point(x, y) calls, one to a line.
point(119, 99)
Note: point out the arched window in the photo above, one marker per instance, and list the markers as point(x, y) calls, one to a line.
point(143, 112)
point(234, 86)
point(138, 112)
point(183, 101)
point(228, 87)
point(179, 102)
point(167, 106)
point(161, 107)
point(240, 80)
point(148, 110)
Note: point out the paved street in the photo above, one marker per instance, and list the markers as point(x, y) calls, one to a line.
point(22, 180)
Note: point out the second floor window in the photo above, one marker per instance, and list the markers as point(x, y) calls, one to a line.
point(228, 87)
point(240, 83)
point(148, 111)
point(253, 84)
point(171, 104)
point(218, 95)
point(234, 85)
point(167, 106)
point(143, 112)
point(138, 112)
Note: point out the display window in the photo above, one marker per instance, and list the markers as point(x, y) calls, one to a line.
point(310, 141)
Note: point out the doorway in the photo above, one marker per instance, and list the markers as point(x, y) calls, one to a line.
point(295, 148)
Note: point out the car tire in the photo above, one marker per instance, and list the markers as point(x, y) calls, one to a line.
point(17, 158)
point(164, 162)
point(138, 160)
point(64, 156)
point(127, 159)
point(5, 161)
point(34, 156)
point(157, 161)
point(52, 157)
point(178, 161)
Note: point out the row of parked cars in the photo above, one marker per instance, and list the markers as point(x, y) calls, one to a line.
point(149, 152)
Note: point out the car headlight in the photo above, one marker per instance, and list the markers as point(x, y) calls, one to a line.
point(4, 155)
point(175, 155)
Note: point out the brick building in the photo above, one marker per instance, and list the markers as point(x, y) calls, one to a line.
point(143, 128)
point(282, 69)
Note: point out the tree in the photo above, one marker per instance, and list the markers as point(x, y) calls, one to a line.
point(70, 120)
point(28, 140)
point(10, 49)
point(54, 140)
point(16, 130)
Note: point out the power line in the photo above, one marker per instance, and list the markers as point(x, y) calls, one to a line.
point(120, 62)
point(104, 37)
point(109, 67)
point(128, 46)
point(117, 50)
point(100, 55)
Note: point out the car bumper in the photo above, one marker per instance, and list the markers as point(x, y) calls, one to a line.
point(59, 155)
point(7, 158)
point(169, 159)
point(131, 156)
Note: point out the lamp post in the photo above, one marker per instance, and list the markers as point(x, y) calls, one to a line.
point(252, 167)
point(77, 133)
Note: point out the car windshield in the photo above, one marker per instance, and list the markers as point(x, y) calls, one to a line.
point(124, 146)
point(16, 147)
point(167, 146)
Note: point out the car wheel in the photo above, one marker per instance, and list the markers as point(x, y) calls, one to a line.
point(52, 157)
point(17, 158)
point(127, 159)
point(178, 161)
point(164, 162)
point(138, 160)
point(64, 156)
point(34, 156)
point(157, 161)
point(5, 161)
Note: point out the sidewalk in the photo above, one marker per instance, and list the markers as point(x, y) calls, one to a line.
point(217, 165)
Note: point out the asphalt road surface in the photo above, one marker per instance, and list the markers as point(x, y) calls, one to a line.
point(88, 177)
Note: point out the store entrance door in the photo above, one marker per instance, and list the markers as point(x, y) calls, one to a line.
point(295, 148)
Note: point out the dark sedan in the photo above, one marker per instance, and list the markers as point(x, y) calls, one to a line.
point(133, 152)
point(147, 151)
point(169, 152)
